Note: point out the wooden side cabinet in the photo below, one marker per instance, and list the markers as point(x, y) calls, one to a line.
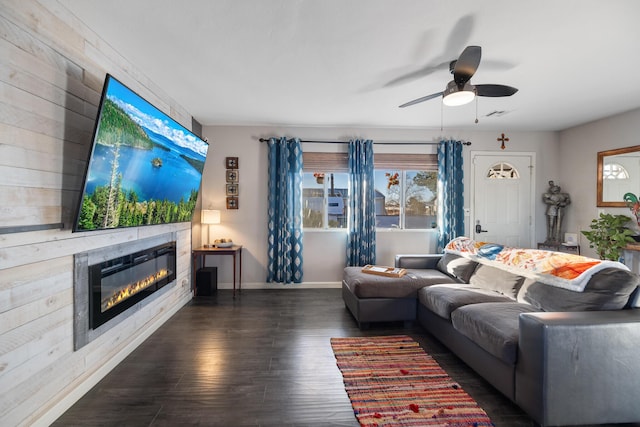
point(200, 254)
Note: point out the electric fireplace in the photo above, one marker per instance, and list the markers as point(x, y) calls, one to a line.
point(119, 283)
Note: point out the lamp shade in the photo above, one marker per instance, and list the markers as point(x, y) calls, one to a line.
point(454, 95)
point(210, 216)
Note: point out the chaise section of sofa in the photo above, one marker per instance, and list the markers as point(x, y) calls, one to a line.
point(373, 298)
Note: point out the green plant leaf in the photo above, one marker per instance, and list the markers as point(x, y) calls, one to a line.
point(609, 235)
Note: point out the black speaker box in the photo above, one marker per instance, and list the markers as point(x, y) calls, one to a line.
point(206, 281)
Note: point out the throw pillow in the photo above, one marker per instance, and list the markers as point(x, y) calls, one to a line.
point(457, 266)
point(497, 280)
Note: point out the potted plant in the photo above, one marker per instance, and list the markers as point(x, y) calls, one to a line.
point(609, 235)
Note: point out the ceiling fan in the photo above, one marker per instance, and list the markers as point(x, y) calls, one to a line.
point(460, 91)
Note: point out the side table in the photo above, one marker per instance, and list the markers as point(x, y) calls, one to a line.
point(200, 255)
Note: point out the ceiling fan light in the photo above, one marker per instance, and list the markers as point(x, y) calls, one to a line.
point(453, 96)
point(458, 98)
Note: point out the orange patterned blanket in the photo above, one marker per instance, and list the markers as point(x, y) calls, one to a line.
point(559, 269)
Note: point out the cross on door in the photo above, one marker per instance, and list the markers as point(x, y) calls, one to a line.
point(503, 140)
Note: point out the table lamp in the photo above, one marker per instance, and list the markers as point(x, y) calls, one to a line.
point(210, 217)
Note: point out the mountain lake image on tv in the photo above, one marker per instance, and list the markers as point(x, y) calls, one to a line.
point(144, 168)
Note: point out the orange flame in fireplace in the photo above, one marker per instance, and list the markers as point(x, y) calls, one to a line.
point(132, 289)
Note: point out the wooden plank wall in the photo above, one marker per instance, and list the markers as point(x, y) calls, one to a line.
point(51, 74)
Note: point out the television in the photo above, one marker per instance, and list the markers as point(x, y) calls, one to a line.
point(144, 168)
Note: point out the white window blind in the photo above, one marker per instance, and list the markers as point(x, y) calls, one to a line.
point(339, 162)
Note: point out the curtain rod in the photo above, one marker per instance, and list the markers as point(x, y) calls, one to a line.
point(375, 143)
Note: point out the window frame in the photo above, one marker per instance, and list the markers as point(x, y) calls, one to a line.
point(402, 202)
point(325, 203)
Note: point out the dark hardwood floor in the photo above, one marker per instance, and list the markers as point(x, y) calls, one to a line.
point(261, 359)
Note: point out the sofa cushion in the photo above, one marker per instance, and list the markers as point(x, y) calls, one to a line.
point(364, 285)
point(457, 266)
point(498, 280)
point(493, 326)
point(443, 299)
point(608, 289)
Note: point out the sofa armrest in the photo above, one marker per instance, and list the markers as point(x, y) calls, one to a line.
point(579, 367)
point(417, 261)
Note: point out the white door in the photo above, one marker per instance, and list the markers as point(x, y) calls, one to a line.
point(502, 203)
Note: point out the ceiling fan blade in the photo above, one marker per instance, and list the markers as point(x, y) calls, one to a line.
point(458, 37)
point(419, 100)
point(413, 75)
point(495, 90)
point(467, 64)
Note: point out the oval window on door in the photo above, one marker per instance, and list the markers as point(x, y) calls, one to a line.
point(502, 171)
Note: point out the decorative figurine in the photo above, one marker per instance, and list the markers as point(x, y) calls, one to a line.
point(556, 203)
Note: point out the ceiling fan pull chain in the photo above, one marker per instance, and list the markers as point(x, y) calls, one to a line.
point(476, 110)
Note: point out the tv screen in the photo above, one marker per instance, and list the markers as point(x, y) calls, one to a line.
point(144, 167)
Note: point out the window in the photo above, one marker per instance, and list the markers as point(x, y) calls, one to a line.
point(325, 198)
point(503, 171)
point(405, 190)
point(325, 190)
point(405, 199)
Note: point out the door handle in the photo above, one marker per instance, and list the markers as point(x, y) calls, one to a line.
point(479, 228)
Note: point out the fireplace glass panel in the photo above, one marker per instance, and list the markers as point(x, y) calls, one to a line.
point(119, 286)
point(119, 283)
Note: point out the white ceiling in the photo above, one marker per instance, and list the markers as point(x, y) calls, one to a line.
point(330, 62)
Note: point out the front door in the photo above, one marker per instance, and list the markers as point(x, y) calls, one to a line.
point(502, 208)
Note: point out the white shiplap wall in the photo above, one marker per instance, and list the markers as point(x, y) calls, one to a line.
point(51, 73)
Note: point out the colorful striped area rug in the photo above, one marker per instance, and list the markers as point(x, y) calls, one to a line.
point(392, 382)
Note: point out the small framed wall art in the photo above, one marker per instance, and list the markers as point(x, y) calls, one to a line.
point(232, 189)
point(232, 176)
point(232, 203)
point(231, 163)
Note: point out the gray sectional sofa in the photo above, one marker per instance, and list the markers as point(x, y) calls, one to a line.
point(565, 357)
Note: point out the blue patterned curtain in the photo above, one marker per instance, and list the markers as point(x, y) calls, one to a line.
point(285, 211)
point(361, 246)
point(450, 192)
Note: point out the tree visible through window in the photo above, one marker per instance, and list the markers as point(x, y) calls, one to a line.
point(405, 199)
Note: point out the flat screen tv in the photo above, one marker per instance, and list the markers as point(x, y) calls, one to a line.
point(144, 167)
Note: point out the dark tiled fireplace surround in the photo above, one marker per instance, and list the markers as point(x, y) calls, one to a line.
point(112, 283)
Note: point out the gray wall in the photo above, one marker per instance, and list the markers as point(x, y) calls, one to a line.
point(579, 147)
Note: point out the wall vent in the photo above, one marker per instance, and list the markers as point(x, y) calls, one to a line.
point(497, 113)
